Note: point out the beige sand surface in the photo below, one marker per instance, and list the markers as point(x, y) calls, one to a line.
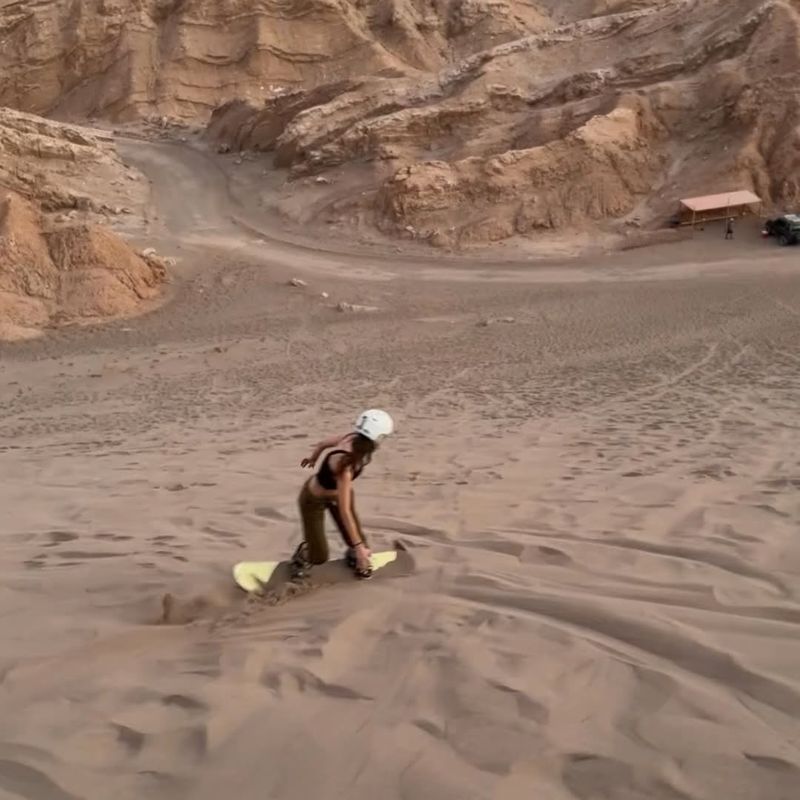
point(601, 498)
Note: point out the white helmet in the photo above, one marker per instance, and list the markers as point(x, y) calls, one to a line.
point(375, 425)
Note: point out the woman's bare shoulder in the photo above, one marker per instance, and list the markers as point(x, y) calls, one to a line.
point(346, 441)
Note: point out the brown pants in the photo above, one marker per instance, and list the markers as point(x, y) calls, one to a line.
point(312, 512)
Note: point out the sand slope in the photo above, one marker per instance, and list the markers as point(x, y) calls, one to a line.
point(600, 498)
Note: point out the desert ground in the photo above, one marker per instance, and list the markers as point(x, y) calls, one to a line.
point(595, 469)
point(228, 227)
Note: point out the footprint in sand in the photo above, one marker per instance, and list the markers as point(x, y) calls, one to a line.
point(267, 512)
point(60, 537)
point(595, 777)
point(112, 537)
point(184, 702)
point(543, 554)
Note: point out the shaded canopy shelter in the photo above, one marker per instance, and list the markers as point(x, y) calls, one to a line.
point(718, 206)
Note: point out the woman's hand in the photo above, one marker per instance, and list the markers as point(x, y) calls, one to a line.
point(363, 554)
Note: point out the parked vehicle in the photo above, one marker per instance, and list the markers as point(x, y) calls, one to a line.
point(786, 229)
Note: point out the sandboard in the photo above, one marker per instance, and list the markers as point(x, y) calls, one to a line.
point(255, 577)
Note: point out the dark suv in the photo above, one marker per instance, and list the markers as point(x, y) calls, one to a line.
point(785, 229)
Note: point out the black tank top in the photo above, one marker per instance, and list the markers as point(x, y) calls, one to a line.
point(326, 476)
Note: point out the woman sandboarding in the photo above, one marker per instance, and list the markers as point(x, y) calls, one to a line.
point(331, 489)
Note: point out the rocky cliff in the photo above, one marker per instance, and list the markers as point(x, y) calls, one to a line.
point(66, 168)
point(467, 120)
point(128, 58)
point(608, 116)
point(55, 275)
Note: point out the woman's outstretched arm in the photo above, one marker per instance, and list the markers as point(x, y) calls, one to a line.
point(331, 441)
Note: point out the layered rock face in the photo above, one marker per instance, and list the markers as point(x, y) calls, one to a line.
point(59, 275)
point(58, 265)
point(127, 58)
point(66, 168)
point(611, 116)
point(473, 120)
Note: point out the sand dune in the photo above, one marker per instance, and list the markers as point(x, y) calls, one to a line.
point(600, 498)
point(596, 465)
